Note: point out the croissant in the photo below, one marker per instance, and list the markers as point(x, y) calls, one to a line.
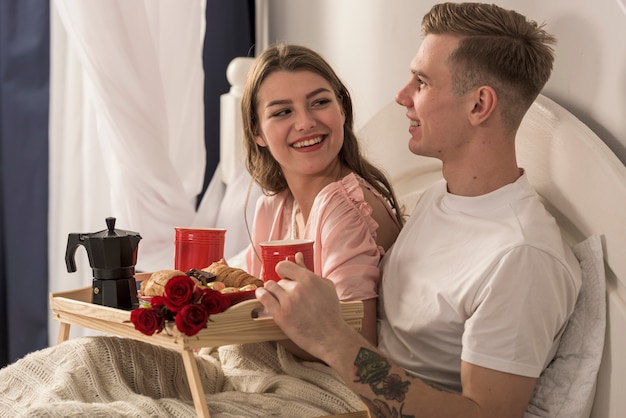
point(232, 276)
point(155, 285)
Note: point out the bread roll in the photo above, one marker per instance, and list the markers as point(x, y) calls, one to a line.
point(155, 285)
point(232, 276)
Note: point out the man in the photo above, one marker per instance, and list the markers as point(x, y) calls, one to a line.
point(479, 285)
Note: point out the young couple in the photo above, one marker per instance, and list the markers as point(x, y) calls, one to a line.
point(478, 286)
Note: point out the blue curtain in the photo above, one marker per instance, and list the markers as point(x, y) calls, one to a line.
point(24, 92)
point(230, 33)
point(24, 97)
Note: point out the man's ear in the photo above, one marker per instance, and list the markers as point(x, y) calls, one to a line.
point(485, 101)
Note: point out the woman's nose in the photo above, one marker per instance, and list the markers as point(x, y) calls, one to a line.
point(304, 120)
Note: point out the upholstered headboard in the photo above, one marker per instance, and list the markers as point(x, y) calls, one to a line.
point(582, 182)
point(584, 185)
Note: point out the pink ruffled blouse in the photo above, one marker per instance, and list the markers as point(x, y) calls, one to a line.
point(342, 227)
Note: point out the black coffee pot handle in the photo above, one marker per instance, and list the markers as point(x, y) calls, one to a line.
point(73, 241)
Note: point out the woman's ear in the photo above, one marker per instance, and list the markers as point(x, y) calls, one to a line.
point(342, 109)
point(485, 101)
point(260, 141)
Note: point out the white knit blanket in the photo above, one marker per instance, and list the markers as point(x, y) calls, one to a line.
point(118, 377)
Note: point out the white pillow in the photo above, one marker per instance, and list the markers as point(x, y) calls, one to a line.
point(567, 387)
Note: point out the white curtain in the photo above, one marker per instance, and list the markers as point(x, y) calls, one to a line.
point(126, 127)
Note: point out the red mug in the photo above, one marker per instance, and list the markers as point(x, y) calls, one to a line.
point(275, 251)
point(198, 247)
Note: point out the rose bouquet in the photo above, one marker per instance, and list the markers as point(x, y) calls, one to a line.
point(183, 302)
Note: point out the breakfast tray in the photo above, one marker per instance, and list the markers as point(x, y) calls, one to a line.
point(236, 325)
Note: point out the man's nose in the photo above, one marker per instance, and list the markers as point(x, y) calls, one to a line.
point(403, 98)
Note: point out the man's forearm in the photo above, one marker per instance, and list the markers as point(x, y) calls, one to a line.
point(387, 390)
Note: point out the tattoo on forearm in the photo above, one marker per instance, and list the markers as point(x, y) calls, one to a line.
point(373, 369)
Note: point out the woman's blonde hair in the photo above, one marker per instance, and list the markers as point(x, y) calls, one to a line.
point(263, 168)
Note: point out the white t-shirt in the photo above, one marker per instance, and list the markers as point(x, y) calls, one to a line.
point(484, 279)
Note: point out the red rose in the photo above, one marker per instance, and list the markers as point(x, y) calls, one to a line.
point(197, 293)
point(146, 320)
point(158, 304)
point(191, 319)
point(214, 301)
point(178, 292)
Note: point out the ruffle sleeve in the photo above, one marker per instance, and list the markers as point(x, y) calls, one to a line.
point(344, 231)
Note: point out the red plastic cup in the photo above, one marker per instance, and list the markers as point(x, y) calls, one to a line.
point(272, 252)
point(198, 247)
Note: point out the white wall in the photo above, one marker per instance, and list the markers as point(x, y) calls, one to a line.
point(370, 44)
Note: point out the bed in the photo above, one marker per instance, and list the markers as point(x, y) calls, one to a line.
point(583, 185)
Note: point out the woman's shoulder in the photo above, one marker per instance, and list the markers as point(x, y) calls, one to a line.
point(353, 189)
point(382, 213)
point(354, 198)
point(347, 190)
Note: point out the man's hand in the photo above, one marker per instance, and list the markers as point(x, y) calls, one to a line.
point(305, 306)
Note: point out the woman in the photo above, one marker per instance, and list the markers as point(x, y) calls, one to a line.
point(303, 152)
point(301, 149)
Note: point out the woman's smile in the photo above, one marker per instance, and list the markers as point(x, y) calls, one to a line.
point(306, 143)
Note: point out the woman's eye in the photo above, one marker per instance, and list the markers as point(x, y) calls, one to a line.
point(282, 112)
point(321, 102)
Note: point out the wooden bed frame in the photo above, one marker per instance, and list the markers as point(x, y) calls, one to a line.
point(582, 182)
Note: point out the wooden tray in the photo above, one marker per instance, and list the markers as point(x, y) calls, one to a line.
point(236, 325)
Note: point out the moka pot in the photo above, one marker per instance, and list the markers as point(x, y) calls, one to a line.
point(112, 256)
